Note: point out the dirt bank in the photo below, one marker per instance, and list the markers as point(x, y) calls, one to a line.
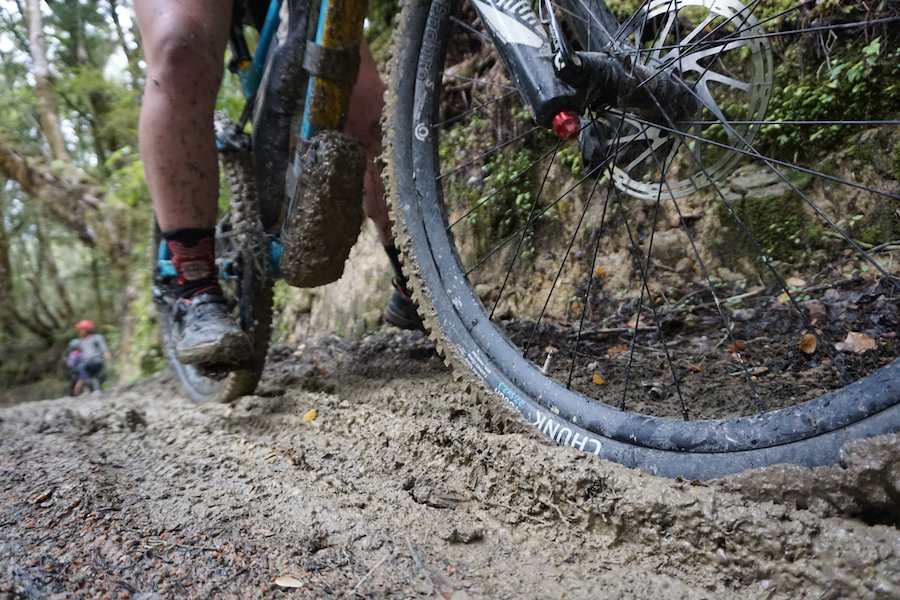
point(402, 486)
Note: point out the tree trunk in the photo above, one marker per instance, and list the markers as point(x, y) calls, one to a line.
point(66, 199)
point(7, 319)
point(134, 68)
point(49, 267)
point(48, 115)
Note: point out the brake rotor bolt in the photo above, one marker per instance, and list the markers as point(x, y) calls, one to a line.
point(566, 125)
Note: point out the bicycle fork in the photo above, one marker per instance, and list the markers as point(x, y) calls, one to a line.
point(332, 61)
point(558, 83)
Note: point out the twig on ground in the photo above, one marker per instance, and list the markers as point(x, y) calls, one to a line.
point(369, 574)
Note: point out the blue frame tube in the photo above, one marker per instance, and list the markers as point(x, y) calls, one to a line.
point(306, 128)
point(252, 76)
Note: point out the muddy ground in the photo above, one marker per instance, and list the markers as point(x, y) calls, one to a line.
point(403, 486)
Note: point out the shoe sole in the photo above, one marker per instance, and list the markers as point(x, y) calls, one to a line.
point(403, 322)
point(232, 350)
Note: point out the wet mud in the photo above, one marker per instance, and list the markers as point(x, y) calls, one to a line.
point(324, 214)
point(400, 484)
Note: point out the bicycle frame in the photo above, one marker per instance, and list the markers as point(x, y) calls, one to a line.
point(338, 30)
point(556, 83)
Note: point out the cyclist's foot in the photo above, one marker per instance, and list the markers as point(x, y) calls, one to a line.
point(401, 311)
point(206, 334)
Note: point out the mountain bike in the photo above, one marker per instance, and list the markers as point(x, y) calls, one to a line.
point(657, 239)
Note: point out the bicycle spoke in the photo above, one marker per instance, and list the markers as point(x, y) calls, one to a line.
point(624, 26)
point(794, 122)
point(590, 276)
point(541, 213)
point(805, 198)
point(789, 32)
point(709, 285)
point(485, 82)
point(580, 17)
point(562, 263)
point(765, 158)
point(669, 61)
point(515, 178)
point(767, 260)
point(534, 204)
point(475, 108)
point(457, 21)
point(488, 152)
point(661, 39)
point(645, 288)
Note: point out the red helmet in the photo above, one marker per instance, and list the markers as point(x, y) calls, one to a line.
point(84, 325)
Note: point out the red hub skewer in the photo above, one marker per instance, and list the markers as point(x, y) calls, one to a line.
point(566, 124)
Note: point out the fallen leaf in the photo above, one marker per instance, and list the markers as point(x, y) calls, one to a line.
point(816, 310)
point(42, 497)
point(616, 350)
point(310, 415)
point(737, 346)
point(695, 368)
point(598, 379)
point(759, 371)
point(795, 282)
point(856, 342)
point(808, 343)
point(288, 581)
point(783, 298)
point(600, 272)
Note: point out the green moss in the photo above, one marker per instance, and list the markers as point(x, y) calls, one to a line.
point(623, 8)
point(895, 156)
point(570, 157)
point(863, 82)
point(879, 225)
point(145, 345)
point(380, 27)
point(780, 225)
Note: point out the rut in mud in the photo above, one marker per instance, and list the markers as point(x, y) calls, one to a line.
point(402, 486)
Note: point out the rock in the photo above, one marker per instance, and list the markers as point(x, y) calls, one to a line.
point(670, 246)
point(684, 265)
point(743, 314)
point(770, 192)
point(484, 290)
point(753, 179)
point(459, 535)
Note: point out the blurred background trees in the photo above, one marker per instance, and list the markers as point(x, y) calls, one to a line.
point(74, 210)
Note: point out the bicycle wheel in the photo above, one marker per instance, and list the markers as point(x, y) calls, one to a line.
point(242, 254)
point(690, 294)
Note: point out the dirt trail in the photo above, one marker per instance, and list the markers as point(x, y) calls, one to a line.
point(403, 486)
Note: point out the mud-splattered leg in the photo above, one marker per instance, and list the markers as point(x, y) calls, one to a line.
point(184, 45)
point(364, 123)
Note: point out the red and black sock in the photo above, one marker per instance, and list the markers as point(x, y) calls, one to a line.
point(194, 258)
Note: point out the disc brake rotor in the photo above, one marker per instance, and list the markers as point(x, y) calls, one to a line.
point(718, 49)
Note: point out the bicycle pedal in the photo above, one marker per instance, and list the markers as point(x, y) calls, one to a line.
point(325, 213)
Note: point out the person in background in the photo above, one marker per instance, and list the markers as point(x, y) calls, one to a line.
point(92, 358)
point(73, 362)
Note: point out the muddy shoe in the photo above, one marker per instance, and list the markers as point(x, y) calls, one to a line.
point(401, 311)
point(206, 334)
